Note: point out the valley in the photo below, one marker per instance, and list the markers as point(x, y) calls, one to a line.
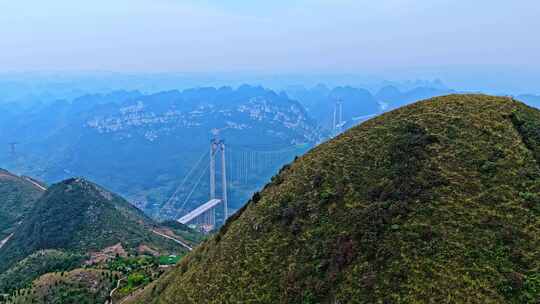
point(142, 146)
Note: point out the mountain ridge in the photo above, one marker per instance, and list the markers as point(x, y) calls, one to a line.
point(18, 194)
point(77, 223)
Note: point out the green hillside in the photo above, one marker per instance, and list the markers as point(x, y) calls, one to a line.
point(17, 196)
point(437, 202)
point(76, 222)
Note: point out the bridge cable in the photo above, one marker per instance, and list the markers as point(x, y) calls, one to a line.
point(194, 187)
point(184, 180)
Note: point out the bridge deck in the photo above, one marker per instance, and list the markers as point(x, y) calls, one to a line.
point(199, 210)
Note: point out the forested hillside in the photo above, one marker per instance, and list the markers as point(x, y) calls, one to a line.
point(17, 196)
point(78, 224)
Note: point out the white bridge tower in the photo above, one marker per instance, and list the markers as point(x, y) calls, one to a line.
point(205, 215)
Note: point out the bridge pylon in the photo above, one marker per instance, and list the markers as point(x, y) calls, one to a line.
point(205, 215)
point(338, 117)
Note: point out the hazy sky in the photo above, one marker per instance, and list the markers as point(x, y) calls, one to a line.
point(301, 36)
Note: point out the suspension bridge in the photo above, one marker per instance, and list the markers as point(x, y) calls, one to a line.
point(220, 170)
point(241, 170)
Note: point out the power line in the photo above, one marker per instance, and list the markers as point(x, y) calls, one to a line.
point(13, 146)
point(262, 148)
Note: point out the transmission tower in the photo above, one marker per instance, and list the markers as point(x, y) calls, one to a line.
point(12, 147)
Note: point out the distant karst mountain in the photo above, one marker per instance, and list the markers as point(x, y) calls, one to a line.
point(393, 98)
point(357, 104)
point(142, 146)
point(320, 103)
point(434, 202)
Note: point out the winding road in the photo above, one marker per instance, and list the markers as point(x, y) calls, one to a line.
point(173, 239)
point(40, 187)
point(114, 290)
point(4, 241)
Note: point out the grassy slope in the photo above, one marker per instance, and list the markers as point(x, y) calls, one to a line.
point(17, 196)
point(435, 202)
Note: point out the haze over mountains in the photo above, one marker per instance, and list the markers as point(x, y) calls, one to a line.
point(143, 145)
